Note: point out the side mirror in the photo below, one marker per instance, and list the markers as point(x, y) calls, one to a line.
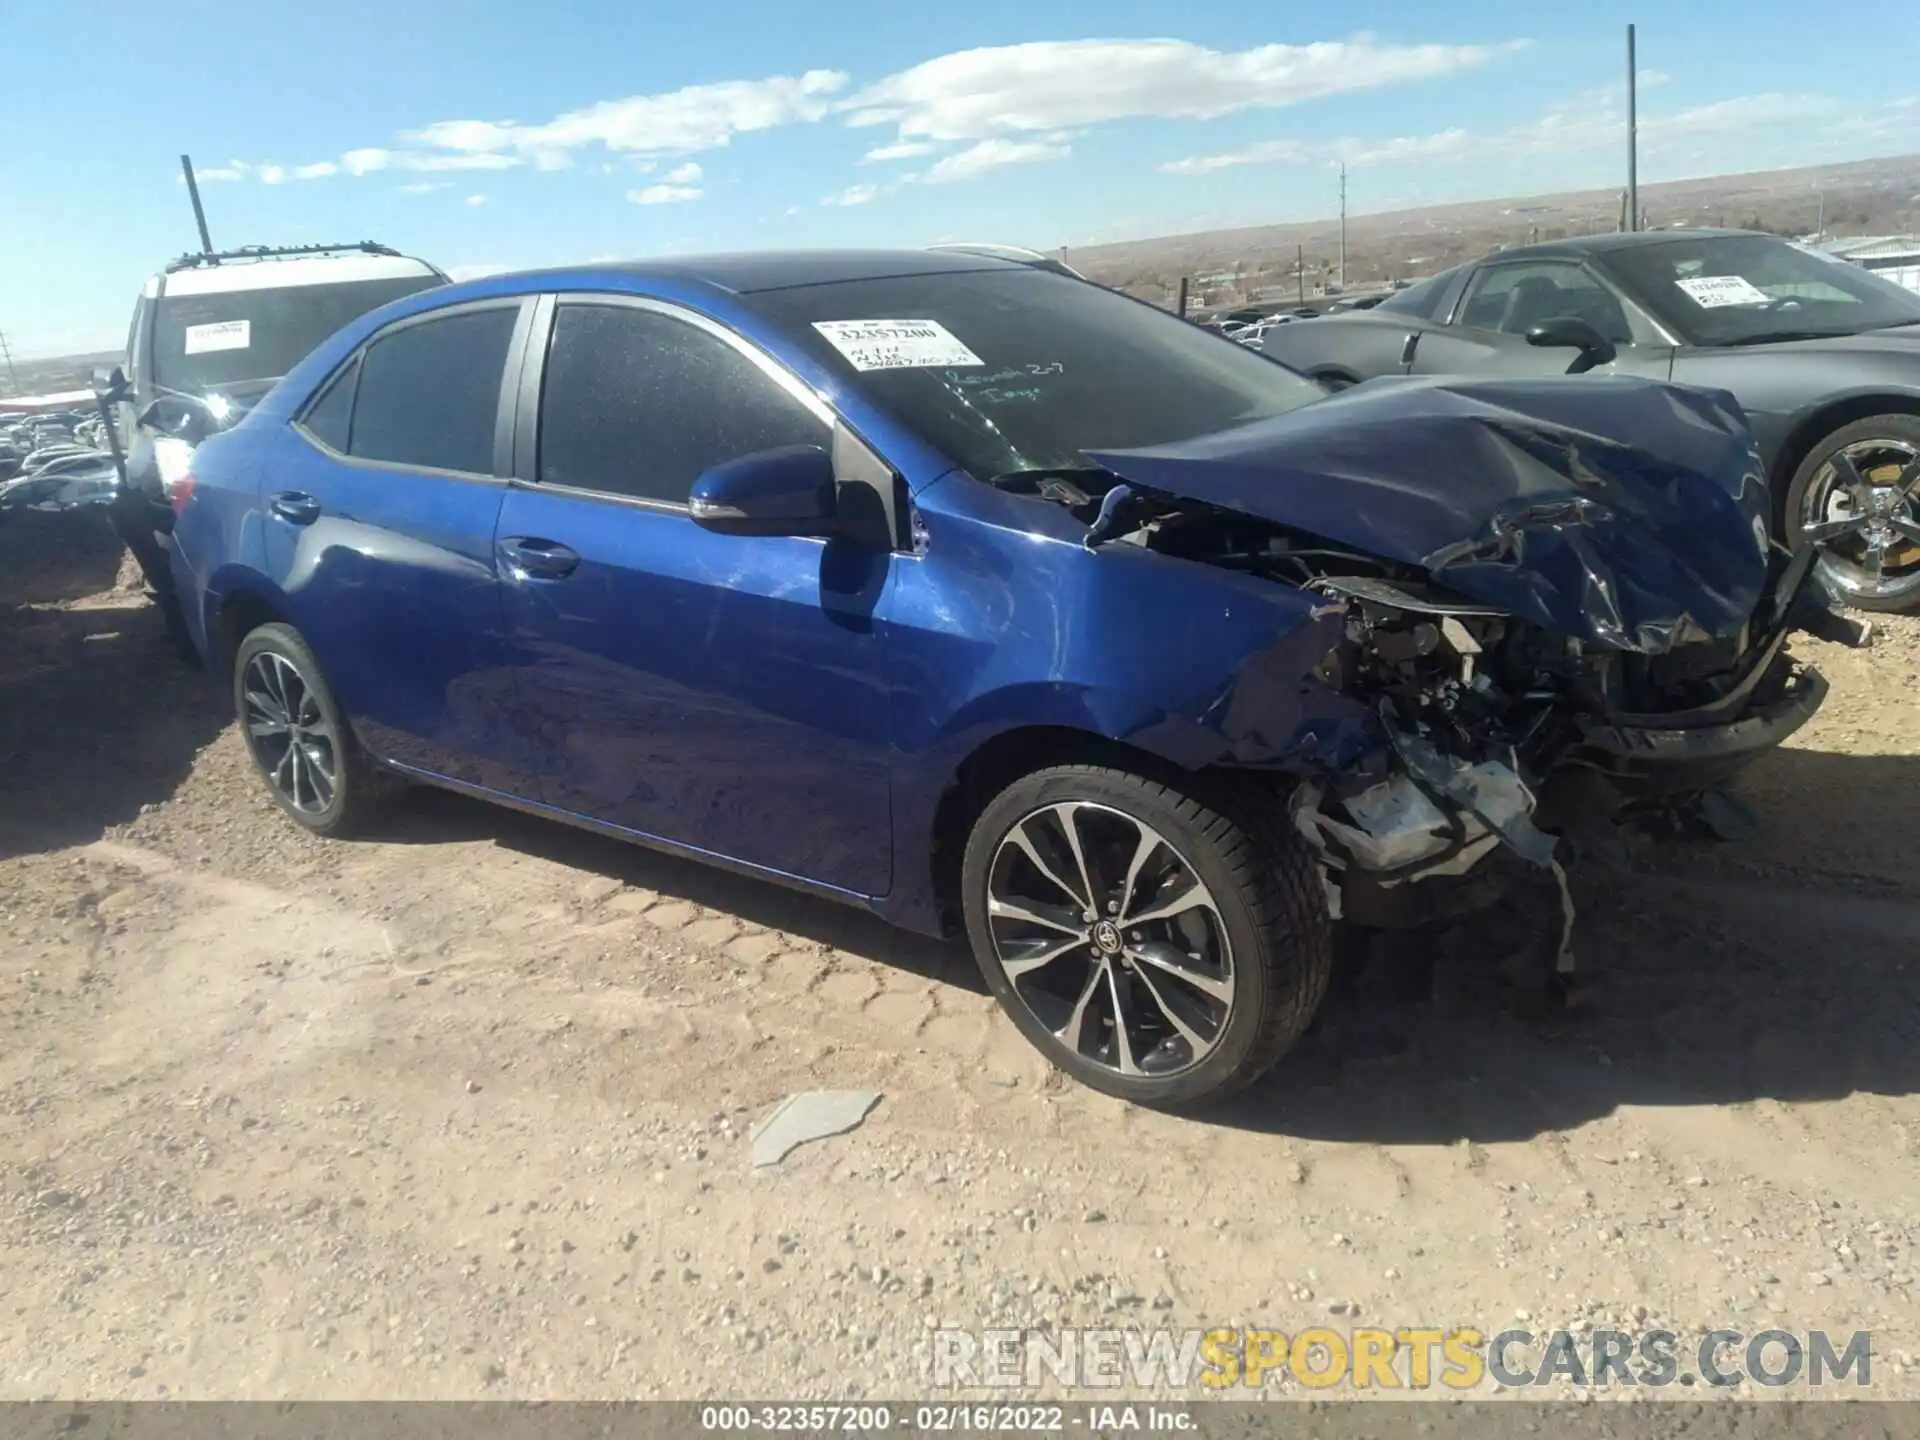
point(181, 417)
point(1569, 332)
point(789, 491)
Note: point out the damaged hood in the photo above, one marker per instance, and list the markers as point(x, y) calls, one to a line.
point(1628, 513)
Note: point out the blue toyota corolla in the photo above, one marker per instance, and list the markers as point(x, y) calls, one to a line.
point(975, 593)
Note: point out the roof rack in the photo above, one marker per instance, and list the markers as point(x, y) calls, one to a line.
point(276, 252)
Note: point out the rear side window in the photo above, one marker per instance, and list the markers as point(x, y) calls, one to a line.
point(329, 417)
point(429, 392)
point(637, 403)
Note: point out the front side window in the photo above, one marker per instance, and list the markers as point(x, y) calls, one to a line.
point(430, 391)
point(1513, 299)
point(1749, 289)
point(1050, 367)
point(638, 403)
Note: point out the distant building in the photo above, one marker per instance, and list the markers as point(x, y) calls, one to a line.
point(1891, 257)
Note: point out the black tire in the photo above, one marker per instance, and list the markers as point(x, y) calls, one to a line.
point(1335, 380)
point(1901, 429)
point(358, 786)
point(1267, 895)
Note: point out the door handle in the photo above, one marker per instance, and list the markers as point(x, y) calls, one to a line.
point(1412, 344)
point(534, 559)
point(295, 506)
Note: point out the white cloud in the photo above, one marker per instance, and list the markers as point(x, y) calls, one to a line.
point(456, 160)
point(991, 155)
point(476, 200)
point(464, 135)
point(1594, 121)
point(1446, 144)
point(852, 195)
point(683, 174)
point(899, 150)
point(1647, 79)
point(366, 161)
point(271, 174)
point(232, 170)
point(425, 187)
point(475, 272)
point(318, 171)
point(665, 194)
point(1056, 84)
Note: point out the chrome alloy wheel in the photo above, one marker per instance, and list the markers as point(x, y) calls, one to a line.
point(293, 743)
point(1110, 939)
point(1864, 503)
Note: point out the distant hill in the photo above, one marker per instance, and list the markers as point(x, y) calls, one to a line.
point(50, 377)
point(1867, 197)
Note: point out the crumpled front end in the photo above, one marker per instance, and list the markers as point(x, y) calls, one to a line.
point(1553, 625)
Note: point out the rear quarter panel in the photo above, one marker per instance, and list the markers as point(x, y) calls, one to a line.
point(217, 545)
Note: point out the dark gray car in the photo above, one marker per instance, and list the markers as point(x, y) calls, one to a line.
point(1823, 356)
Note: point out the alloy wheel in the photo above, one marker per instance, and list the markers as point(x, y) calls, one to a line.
point(1109, 938)
point(1864, 503)
point(292, 741)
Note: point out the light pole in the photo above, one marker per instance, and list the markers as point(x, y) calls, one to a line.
point(1633, 137)
point(1343, 227)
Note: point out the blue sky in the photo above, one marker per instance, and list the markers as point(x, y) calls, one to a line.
point(503, 135)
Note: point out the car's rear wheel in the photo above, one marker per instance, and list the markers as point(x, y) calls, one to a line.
point(1147, 943)
point(1858, 491)
point(296, 735)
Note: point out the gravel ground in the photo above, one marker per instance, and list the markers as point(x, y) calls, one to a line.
point(463, 1111)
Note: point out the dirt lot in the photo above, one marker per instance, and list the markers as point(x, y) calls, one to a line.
point(463, 1111)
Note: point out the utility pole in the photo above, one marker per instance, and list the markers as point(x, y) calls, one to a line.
point(1300, 271)
point(199, 215)
point(7, 355)
point(1343, 227)
point(1820, 225)
point(1633, 137)
point(1180, 305)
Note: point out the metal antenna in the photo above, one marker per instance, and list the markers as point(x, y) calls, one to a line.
point(199, 215)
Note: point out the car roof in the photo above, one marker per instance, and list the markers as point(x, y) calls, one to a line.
point(1611, 241)
point(262, 269)
point(747, 272)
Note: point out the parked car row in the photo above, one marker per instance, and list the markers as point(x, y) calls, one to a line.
point(53, 462)
point(959, 588)
point(950, 584)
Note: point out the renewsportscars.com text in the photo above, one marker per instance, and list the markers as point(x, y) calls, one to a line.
point(1407, 1358)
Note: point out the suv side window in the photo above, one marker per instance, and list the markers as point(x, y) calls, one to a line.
point(329, 419)
point(1516, 297)
point(638, 403)
point(430, 391)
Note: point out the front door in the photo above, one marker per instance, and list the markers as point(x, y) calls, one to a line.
point(726, 693)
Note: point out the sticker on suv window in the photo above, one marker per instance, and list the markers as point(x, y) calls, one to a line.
point(896, 344)
point(222, 335)
point(1710, 292)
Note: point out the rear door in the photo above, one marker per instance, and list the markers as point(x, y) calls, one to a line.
point(1502, 302)
point(722, 692)
point(379, 509)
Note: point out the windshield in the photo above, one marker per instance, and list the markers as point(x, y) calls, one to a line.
point(1029, 369)
point(201, 342)
point(1745, 289)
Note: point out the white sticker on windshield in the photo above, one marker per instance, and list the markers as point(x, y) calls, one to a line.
point(896, 344)
point(1710, 292)
point(223, 335)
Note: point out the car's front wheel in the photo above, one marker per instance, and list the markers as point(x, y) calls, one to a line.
point(1858, 492)
point(295, 733)
point(1146, 942)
